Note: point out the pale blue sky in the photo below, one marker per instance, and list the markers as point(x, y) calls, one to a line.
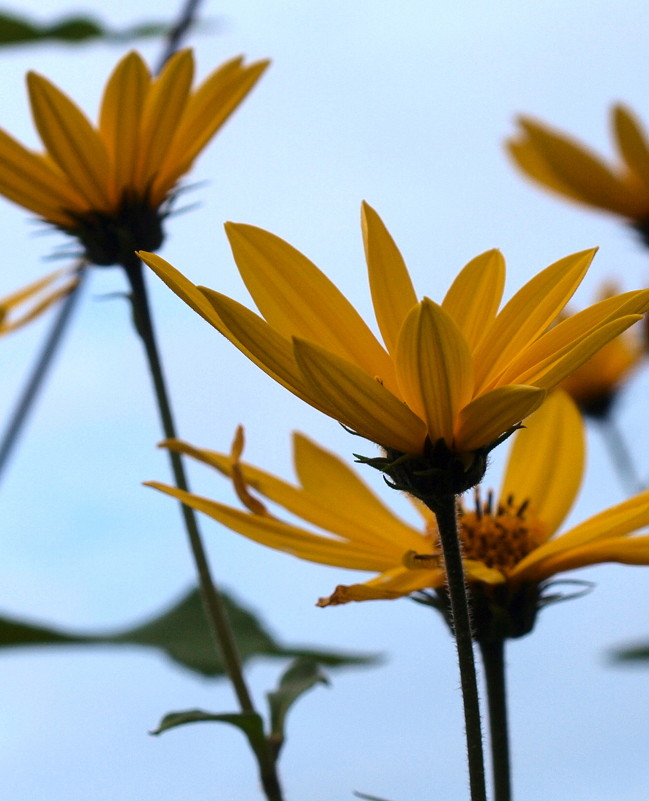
point(405, 107)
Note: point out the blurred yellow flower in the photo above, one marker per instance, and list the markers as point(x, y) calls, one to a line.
point(595, 385)
point(562, 164)
point(108, 185)
point(511, 545)
point(27, 303)
point(462, 373)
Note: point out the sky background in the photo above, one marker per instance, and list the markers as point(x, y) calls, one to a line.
point(405, 106)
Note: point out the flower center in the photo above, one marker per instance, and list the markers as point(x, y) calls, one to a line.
point(499, 537)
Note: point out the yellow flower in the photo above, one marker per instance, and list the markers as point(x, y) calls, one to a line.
point(560, 163)
point(461, 373)
point(27, 303)
point(109, 185)
point(511, 545)
point(595, 385)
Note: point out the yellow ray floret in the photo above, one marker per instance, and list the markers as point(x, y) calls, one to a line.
point(464, 371)
point(510, 542)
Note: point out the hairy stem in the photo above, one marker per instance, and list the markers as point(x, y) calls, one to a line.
point(493, 659)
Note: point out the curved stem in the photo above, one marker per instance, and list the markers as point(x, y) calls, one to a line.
point(41, 368)
point(493, 659)
point(446, 514)
point(185, 20)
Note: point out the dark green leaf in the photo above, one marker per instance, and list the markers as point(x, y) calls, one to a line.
point(300, 676)
point(635, 653)
point(182, 633)
point(250, 724)
point(15, 30)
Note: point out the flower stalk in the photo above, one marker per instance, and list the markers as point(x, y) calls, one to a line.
point(446, 514)
point(41, 368)
point(493, 660)
point(212, 601)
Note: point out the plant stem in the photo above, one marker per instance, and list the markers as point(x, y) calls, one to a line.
point(40, 369)
point(212, 600)
point(446, 514)
point(621, 456)
point(493, 659)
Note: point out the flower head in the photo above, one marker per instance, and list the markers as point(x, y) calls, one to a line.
point(109, 185)
point(26, 304)
point(448, 378)
point(596, 384)
point(560, 163)
point(511, 545)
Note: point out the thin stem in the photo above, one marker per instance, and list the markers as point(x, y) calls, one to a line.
point(445, 512)
point(178, 30)
point(212, 601)
point(41, 368)
point(493, 659)
point(621, 456)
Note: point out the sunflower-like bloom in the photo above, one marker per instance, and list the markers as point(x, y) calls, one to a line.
point(596, 384)
point(511, 545)
point(29, 302)
point(108, 185)
point(562, 164)
point(456, 376)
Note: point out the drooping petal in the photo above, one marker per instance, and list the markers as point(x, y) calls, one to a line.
point(489, 416)
point(391, 584)
point(358, 516)
point(546, 462)
point(361, 402)
point(297, 299)
point(119, 120)
point(474, 296)
point(434, 368)
point(533, 162)
point(529, 312)
point(283, 537)
point(70, 140)
point(392, 292)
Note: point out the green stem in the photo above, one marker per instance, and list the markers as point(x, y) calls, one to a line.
point(446, 514)
point(493, 659)
point(621, 456)
point(213, 603)
point(40, 369)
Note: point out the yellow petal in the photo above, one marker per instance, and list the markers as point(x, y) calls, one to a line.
point(527, 315)
point(632, 143)
point(474, 296)
point(119, 119)
point(580, 169)
point(163, 108)
point(532, 162)
point(206, 111)
point(389, 585)
point(71, 141)
point(551, 373)
point(434, 368)
point(569, 331)
point(297, 299)
point(29, 180)
point(360, 401)
point(491, 415)
point(546, 461)
point(281, 536)
point(392, 292)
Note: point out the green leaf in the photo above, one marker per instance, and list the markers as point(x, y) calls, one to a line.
point(300, 676)
point(181, 632)
point(15, 30)
point(250, 723)
point(368, 797)
point(635, 653)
